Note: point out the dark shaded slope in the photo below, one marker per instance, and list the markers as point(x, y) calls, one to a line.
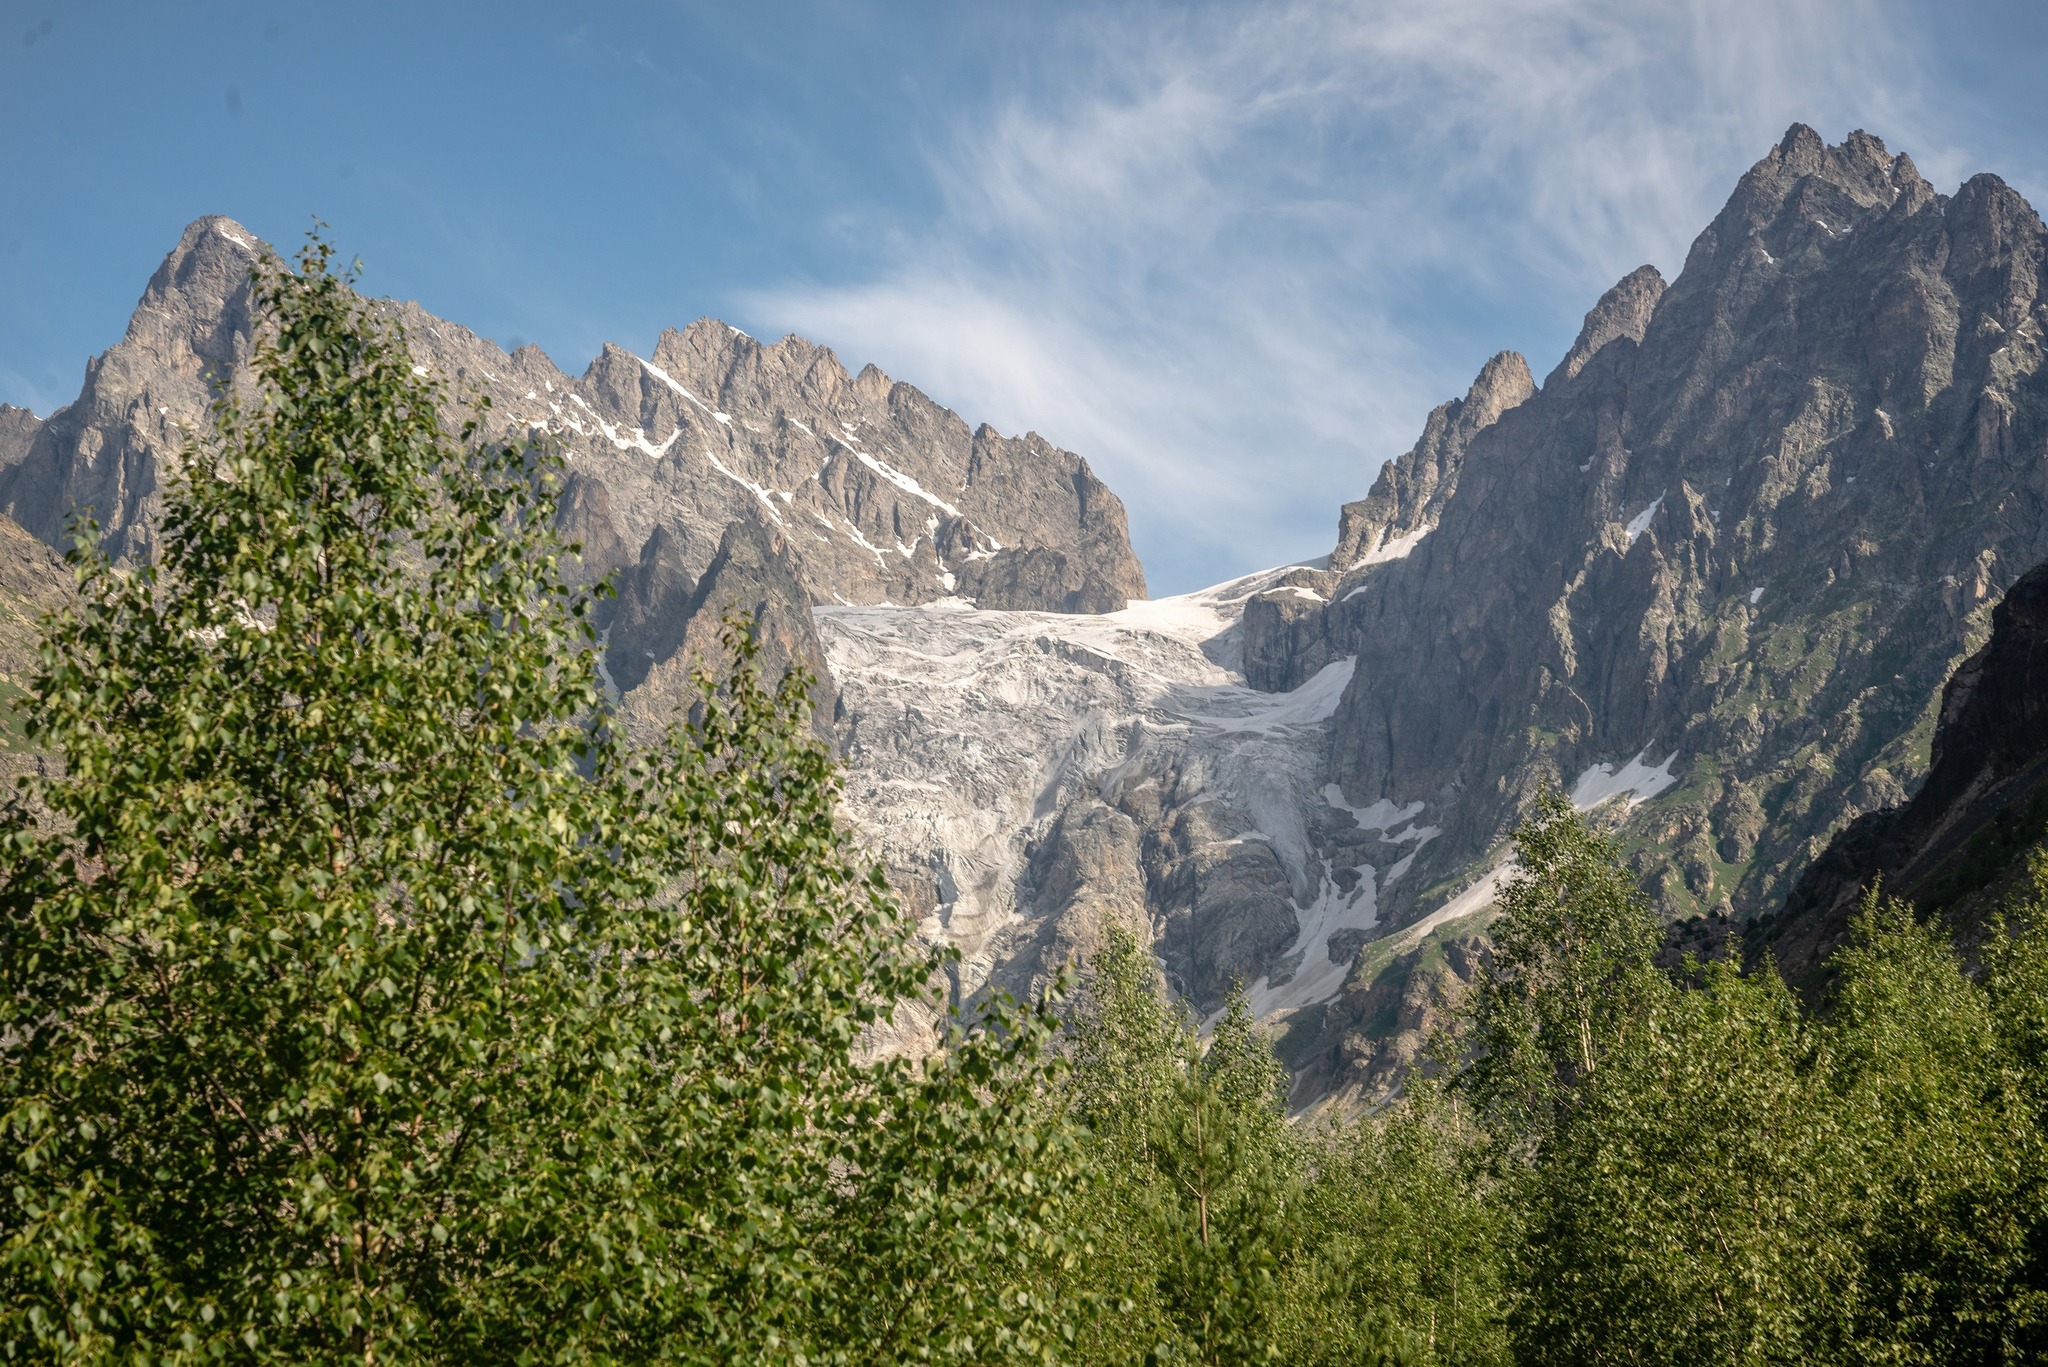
point(667, 628)
point(1983, 807)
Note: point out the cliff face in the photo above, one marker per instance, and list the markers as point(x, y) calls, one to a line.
point(880, 494)
point(18, 428)
point(668, 628)
point(1981, 810)
point(33, 581)
point(1408, 497)
point(112, 448)
point(1718, 565)
point(718, 474)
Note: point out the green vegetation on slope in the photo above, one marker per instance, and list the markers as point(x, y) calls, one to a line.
point(1616, 1164)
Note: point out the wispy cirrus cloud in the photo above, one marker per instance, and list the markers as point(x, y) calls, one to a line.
point(1233, 254)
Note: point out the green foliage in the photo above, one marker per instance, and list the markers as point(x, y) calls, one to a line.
point(1221, 1233)
point(1699, 1172)
point(1195, 1168)
point(1571, 976)
point(1677, 1215)
point(1943, 1150)
point(1404, 1239)
point(365, 999)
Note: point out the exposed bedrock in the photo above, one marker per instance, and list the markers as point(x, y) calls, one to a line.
point(1717, 567)
point(880, 494)
point(1709, 577)
point(668, 629)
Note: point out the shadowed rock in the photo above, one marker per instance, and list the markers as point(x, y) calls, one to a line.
point(1977, 812)
point(656, 598)
point(677, 629)
point(1411, 490)
point(584, 518)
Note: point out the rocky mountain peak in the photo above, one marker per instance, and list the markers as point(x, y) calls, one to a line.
point(1992, 227)
point(196, 306)
point(1410, 490)
point(1804, 198)
point(1801, 150)
point(876, 492)
point(18, 428)
point(1859, 164)
point(1502, 382)
point(1624, 311)
point(873, 386)
point(108, 451)
point(1721, 571)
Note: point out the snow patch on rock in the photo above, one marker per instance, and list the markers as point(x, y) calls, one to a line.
point(1634, 779)
point(1396, 547)
point(971, 731)
point(1640, 523)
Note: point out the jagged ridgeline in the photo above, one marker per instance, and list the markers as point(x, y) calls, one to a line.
point(866, 489)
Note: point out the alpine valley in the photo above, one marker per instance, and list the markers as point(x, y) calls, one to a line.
point(1709, 577)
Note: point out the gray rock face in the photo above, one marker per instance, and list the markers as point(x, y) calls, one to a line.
point(1286, 629)
point(1623, 312)
point(717, 475)
point(584, 518)
point(18, 428)
point(110, 451)
point(1410, 493)
point(880, 494)
point(656, 599)
point(1028, 578)
point(1720, 564)
point(1981, 811)
point(667, 628)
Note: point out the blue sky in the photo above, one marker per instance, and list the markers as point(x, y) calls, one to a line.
point(1230, 253)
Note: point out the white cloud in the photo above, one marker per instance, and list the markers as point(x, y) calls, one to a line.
point(1233, 257)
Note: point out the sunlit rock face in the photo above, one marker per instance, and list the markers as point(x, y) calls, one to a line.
point(1724, 557)
point(718, 475)
point(880, 494)
point(1030, 777)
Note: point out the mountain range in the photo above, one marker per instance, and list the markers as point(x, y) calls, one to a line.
point(1708, 577)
